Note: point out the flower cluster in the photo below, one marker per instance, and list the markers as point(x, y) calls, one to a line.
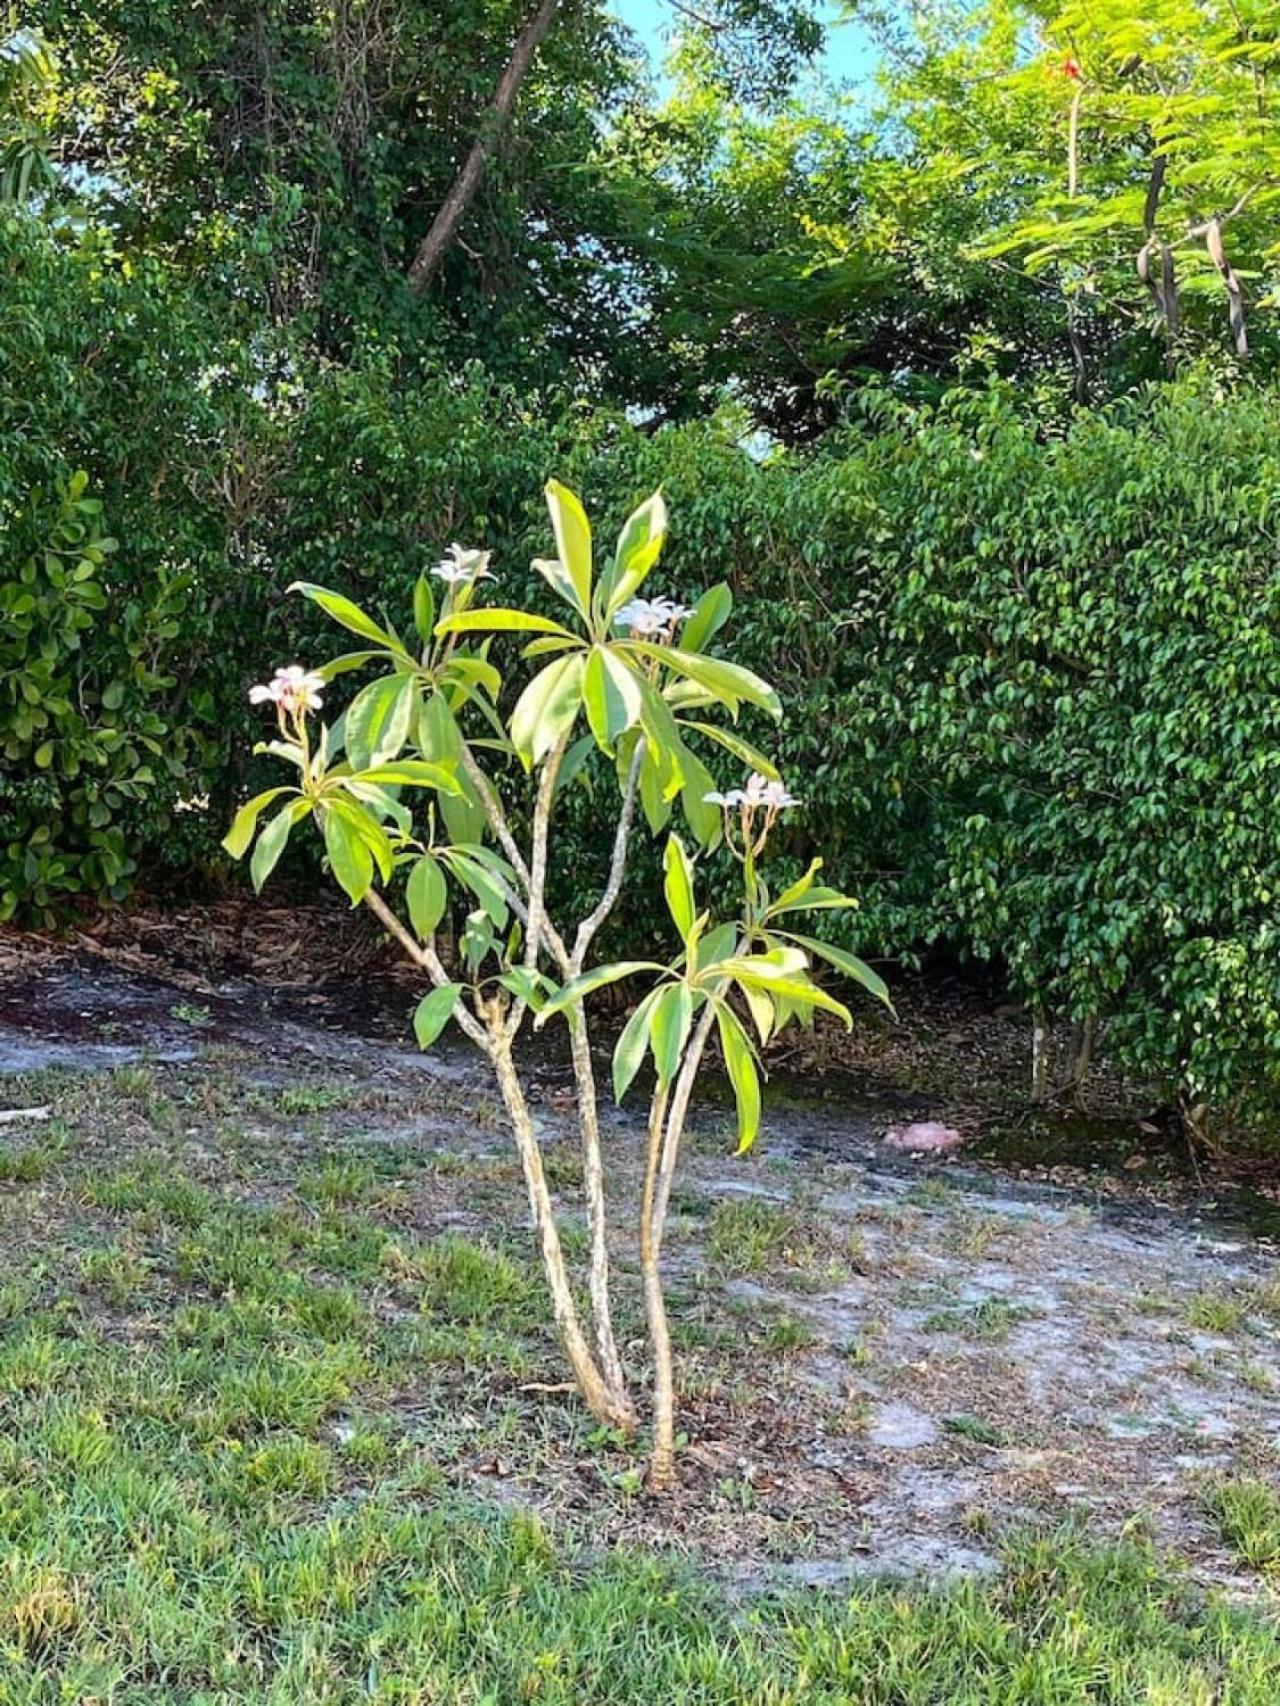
point(294, 689)
point(462, 567)
point(652, 618)
point(760, 794)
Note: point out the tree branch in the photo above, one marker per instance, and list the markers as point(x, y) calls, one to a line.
point(444, 227)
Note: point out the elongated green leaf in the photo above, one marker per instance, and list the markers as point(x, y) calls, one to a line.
point(378, 720)
point(796, 989)
point(271, 844)
point(704, 820)
point(578, 988)
point(547, 708)
point(497, 620)
point(663, 736)
point(366, 827)
point(739, 1060)
point(653, 798)
point(548, 646)
point(384, 803)
point(412, 773)
point(424, 609)
point(731, 684)
point(678, 886)
point(348, 614)
point(716, 945)
point(467, 674)
point(434, 1012)
point(798, 889)
point(749, 756)
point(482, 883)
point(639, 547)
point(349, 856)
point(817, 899)
point(844, 961)
point(349, 661)
point(440, 741)
point(237, 839)
point(573, 542)
point(710, 614)
point(631, 1045)
point(669, 1031)
point(426, 895)
point(611, 695)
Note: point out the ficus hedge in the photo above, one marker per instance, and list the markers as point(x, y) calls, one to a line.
point(1030, 671)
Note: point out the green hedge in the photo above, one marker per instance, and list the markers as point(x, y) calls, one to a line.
point(1030, 674)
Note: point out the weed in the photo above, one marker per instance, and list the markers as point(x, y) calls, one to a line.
point(1247, 1512)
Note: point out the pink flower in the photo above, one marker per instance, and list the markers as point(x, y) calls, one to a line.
point(294, 689)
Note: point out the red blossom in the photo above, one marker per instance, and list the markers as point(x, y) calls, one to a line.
point(1071, 68)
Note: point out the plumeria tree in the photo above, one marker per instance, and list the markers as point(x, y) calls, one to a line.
point(414, 788)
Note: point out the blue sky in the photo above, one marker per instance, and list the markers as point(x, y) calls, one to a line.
point(849, 53)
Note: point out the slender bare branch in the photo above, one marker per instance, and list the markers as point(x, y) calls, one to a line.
point(425, 956)
point(617, 867)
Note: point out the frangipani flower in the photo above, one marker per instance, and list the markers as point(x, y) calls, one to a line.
point(293, 689)
point(760, 794)
point(461, 567)
point(652, 618)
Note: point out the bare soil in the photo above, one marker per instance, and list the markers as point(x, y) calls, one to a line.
point(885, 1362)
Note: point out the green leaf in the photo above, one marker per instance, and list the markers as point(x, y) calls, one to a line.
point(578, 988)
point(611, 695)
point(573, 543)
point(349, 661)
point(440, 740)
point(237, 839)
point(424, 609)
point(845, 962)
point(547, 708)
point(434, 1012)
point(638, 549)
point(704, 820)
point(739, 1060)
point(348, 614)
point(750, 756)
point(798, 889)
point(710, 614)
point(482, 883)
point(426, 894)
point(497, 620)
point(631, 1045)
point(349, 855)
point(669, 1031)
point(663, 736)
point(378, 720)
point(678, 886)
point(412, 773)
point(728, 682)
point(716, 945)
point(271, 844)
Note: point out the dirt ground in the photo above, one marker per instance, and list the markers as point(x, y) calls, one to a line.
point(885, 1361)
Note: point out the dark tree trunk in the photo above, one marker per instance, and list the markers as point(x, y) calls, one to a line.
point(444, 227)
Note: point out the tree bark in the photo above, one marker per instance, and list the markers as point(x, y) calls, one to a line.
point(444, 227)
point(605, 1404)
point(662, 1458)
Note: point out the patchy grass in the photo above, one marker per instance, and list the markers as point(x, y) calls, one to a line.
point(1247, 1512)
point(252, 1395)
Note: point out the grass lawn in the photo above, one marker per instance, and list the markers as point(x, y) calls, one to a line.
point(243, 1371)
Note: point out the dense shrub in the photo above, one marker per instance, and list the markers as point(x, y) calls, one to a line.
point(1031, 674)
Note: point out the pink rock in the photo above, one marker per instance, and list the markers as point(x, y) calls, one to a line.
point(926, 1137)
